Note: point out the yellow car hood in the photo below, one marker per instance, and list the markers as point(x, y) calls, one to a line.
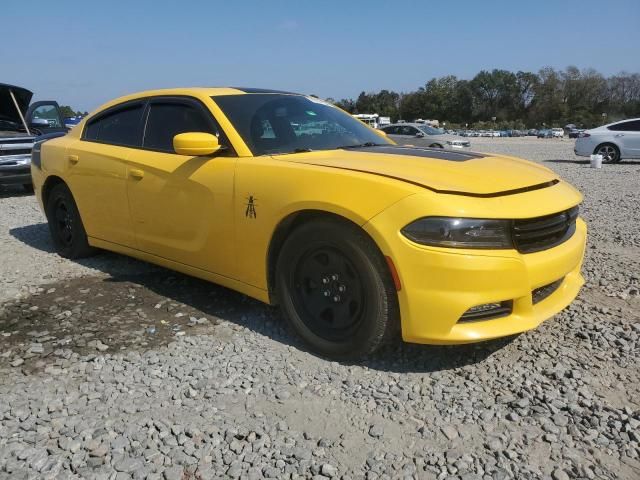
point(445, 171)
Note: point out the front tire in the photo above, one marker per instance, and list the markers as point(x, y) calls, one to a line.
point(65, 225)
point(610, 153)
point(335, 289)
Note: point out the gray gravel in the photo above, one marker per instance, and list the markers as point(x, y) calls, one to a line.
point(112, 368)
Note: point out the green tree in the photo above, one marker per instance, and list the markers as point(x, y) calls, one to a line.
point(67, 111)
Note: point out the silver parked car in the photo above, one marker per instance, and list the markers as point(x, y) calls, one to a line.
point(423, 135)
point(614, 141)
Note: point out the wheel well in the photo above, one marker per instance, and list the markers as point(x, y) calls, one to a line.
point(281, 233)
point(606, 143)
point(49, 183)
point(435, 145)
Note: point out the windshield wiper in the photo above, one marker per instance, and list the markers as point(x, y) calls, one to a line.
point(361, 145)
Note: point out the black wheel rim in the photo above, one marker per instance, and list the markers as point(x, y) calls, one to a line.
point(63, 222)
point(328, 293)
point(609, 153)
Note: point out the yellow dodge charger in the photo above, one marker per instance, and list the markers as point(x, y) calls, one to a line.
point(292, 201)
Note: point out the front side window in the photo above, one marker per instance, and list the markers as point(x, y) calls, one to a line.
point(631, 126)
point(409, 131)
point(166, 120)
point(121, 126)
point(278, 123)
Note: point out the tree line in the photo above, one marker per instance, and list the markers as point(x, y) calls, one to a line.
point(503, 99)
point(67, 111)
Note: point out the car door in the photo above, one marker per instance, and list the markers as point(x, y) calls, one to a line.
point(45, 117)
point(96, 172)
point(401, 134)
point(182, 206)
point(627, 135)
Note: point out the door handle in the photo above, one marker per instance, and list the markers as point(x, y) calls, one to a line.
point(73, 159)
point(619, 135)
point(136, 174)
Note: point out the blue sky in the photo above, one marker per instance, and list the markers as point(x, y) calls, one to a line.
point(83, 53)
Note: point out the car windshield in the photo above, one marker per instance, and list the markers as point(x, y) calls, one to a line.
point(279, 123)
point(429, 130)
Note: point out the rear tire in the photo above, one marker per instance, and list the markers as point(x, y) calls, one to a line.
point(610, 153)
point(436, 145)
point(65, 225)
point(335, 290)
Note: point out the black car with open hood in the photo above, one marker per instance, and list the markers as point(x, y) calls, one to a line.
point(21, 125)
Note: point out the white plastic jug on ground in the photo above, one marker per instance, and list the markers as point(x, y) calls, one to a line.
point(596, 161)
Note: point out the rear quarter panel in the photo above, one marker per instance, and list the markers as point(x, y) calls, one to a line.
point(52, 162)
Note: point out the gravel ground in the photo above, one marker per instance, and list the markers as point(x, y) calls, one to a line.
point(112, 368)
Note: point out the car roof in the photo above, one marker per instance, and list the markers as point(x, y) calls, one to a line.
point(620, 121)
point(208, 91)
point(405, 124)
point(188, 91)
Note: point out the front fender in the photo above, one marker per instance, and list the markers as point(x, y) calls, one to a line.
point(268, 191)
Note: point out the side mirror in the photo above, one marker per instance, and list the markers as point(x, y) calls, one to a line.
point(196, 144)
point(419, 134)
point(39, 122)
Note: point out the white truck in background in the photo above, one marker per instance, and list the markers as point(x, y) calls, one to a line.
point(373, 119)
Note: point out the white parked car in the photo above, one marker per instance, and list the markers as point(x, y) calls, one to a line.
point(420, 134)
point(614, 141)
point(557, 132)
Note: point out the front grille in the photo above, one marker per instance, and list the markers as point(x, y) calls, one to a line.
point(487, 311)
point(540, 293)
point(535, 234)
point(17, 151)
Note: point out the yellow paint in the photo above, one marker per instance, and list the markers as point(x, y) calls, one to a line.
point(214, 217)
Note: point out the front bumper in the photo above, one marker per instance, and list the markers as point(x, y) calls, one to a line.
point(15, 170)
point(439, 285)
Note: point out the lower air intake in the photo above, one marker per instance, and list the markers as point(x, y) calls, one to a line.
point(487, 311)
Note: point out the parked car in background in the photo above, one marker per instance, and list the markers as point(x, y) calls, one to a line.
point(420, 134)
point(71, 122)
point(615, 141)
point(532, 132)
point(557, 132)
point(544, 133)
point(575, 132)
point(21, 125)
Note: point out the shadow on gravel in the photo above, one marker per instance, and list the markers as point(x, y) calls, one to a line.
point(130, 310)
point(586, 162)
point(36, 236)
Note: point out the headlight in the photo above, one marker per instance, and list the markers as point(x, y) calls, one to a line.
point(460, 232)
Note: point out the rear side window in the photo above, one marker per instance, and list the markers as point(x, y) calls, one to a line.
point(632, 126)
point(166, 120)
point(119, 127)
